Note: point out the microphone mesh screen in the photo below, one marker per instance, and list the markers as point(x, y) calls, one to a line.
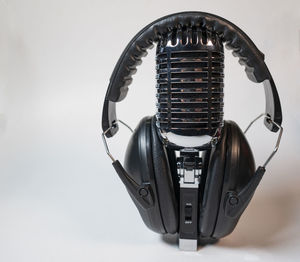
point(190, 64)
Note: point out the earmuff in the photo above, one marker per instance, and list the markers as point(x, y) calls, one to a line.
point(229, 178)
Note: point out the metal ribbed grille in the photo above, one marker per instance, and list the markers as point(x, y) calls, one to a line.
point(190, 88)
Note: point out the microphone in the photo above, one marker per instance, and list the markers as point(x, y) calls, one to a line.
point(189, 64)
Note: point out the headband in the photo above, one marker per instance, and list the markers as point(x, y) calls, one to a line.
point(233, 37)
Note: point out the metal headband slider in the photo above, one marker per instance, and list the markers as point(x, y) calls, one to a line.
point(268, 118)
point(104, 138)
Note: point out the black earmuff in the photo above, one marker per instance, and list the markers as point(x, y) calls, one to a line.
point(229, 177)
point(147, 162)
point(230, 168)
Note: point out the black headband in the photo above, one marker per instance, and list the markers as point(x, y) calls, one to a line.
point(234, 38)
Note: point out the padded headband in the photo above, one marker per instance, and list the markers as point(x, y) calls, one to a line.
point(234, 38)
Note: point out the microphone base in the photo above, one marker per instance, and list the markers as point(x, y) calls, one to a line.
point(188, 244)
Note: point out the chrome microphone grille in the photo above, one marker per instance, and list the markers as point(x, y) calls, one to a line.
point(190, 64)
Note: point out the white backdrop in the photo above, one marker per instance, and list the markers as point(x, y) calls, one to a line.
point(60, 199)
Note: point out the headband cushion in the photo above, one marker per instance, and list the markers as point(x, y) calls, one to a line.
point(234, 37)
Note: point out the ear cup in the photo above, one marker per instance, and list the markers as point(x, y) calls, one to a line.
point(164, 183)
point(230, 167)
point(239, 169)
point(146, 161)
point(213, 186)
point(139, 165)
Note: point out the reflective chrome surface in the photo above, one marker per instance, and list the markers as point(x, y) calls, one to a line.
point(190, 64)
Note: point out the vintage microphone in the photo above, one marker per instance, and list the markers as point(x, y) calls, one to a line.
point(190, 63)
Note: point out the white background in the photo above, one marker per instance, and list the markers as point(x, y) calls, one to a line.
point(60, 199)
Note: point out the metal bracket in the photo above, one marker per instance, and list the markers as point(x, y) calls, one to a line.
point(189, 168)
point(268, 118)
point(189, 178)
point(115, 124)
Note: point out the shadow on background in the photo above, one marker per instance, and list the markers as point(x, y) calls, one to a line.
point(170, 239)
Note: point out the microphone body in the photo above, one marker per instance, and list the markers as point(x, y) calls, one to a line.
point(189, 64)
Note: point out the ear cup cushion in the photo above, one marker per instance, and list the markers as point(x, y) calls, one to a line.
point(213, 186)
point(164, 183)
point(240, 167)
point(139, 165)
